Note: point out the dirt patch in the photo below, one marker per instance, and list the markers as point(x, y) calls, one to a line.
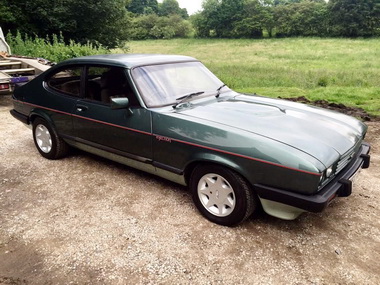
point(351, 111)
point(86, 220)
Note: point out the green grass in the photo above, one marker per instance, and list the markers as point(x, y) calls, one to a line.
point(337, 70)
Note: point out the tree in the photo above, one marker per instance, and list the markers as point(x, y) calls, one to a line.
point(252, 20)
point(219, 17)
point(307, 18)
point(268, 21)
point(249, 18)
point(143, 6)
point(152, 26)
point(6, 14)
point(286, 2)
point(206, 21)
point(171, 7)
point(101, 23)
point(354, 18)
point(110, 14)
point(230, 12)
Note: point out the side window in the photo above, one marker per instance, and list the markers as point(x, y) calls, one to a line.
point(94, 85)
point(104, 83)
point(66, 80)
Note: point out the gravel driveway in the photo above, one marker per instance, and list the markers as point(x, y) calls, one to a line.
point(86, 220)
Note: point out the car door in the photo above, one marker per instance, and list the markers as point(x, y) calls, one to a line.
point(125, 132)
point(62, 89)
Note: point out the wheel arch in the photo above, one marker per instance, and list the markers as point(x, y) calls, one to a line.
point(34, 114)
point(52, 146)
point(212, 159)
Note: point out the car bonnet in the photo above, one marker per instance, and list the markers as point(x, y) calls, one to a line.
point(323, 134)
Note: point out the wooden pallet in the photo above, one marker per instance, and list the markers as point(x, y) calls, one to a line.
point(19, 70)
point(8, 63)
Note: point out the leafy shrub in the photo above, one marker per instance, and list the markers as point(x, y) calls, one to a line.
point(152, 26)
point(52, 48)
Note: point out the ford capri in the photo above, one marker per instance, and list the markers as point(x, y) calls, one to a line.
point(170, 116)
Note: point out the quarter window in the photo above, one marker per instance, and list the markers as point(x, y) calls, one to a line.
point(67, 81)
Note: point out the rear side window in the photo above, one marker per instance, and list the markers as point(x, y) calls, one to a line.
point(67, 81)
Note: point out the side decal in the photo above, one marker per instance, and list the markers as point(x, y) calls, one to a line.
point(162, 138)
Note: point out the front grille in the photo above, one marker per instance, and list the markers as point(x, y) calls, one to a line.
point(344, 161)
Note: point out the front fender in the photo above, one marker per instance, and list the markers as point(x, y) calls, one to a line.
point(208, 158)
point(259, 159)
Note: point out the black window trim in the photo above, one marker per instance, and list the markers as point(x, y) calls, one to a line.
point(50, 75)
point(127, 77)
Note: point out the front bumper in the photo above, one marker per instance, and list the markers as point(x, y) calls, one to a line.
point(340, 186)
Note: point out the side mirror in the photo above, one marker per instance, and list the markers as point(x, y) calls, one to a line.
point(121, 103)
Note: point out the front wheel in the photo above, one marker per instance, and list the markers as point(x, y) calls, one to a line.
point(222, 195)
point(47, 141)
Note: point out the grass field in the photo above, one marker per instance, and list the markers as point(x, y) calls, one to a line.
point(338, 70)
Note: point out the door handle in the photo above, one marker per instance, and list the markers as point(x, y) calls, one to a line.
point(81, 108)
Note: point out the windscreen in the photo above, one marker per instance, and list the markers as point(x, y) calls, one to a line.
point(162, 84)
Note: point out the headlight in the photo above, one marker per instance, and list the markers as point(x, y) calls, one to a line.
point(322, 177)
point(329, 171)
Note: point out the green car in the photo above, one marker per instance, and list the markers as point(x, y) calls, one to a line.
point(170, 116)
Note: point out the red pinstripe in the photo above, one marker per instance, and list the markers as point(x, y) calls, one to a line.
point(172, 139)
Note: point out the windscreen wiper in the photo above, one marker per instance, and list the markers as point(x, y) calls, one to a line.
point(187, 96)
point(218, 90)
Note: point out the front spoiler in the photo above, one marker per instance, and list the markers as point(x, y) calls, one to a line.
point(340, 186)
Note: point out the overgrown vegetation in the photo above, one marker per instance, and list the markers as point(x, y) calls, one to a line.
point(288, 18)
point(153, 20)
point(337, 70)
point(152, 26)
point(102, 22)
point(112, 22)
point(166, 8)
point(53, 48)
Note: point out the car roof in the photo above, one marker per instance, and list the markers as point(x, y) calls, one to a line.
point(128, 60)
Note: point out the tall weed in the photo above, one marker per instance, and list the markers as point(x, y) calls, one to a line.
point(53, 48)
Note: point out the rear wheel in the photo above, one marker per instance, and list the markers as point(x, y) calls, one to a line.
point(222, 195)
point(47, 141)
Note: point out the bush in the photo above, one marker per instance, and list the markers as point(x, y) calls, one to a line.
point(52, 48)
point(152, 26)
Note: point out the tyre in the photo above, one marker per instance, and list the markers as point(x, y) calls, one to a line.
point(222, 195)
point(47, 141)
